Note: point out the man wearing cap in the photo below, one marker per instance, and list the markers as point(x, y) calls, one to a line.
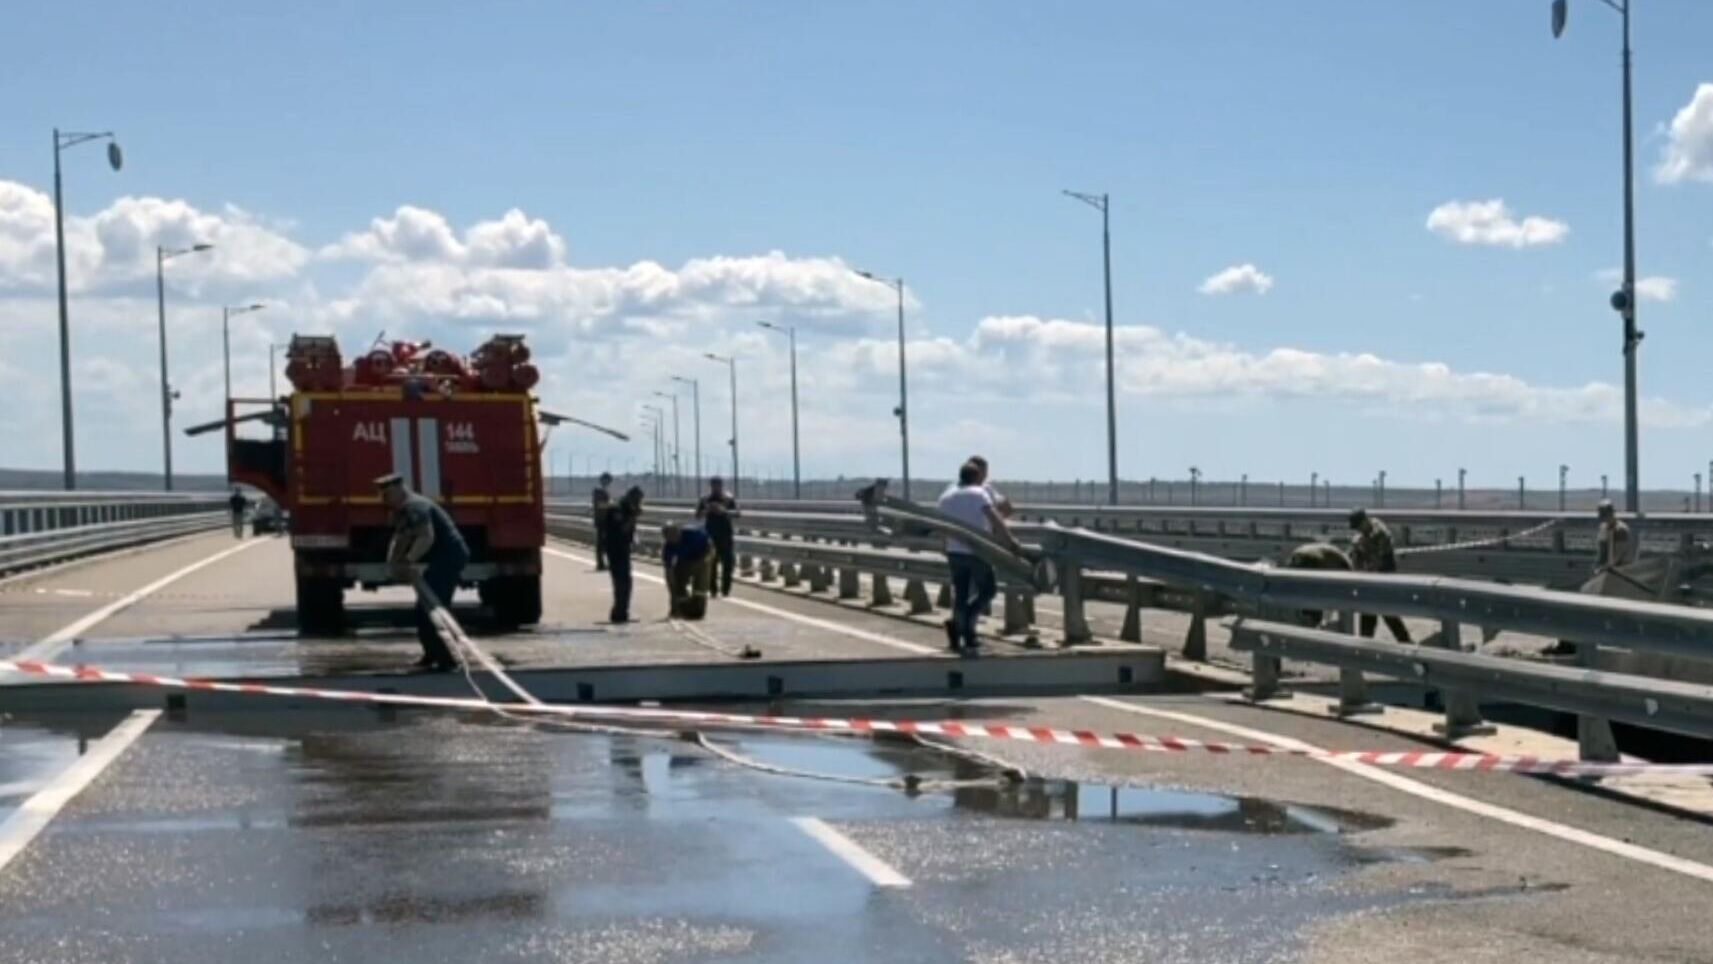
point(717, 510)
point(423, 534)
point(1372, 551)
point(600, 501)
point(1613, 545)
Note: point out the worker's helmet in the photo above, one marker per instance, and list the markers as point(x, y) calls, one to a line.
point(1604, 507)
point(606, 478)
point(1357, 517)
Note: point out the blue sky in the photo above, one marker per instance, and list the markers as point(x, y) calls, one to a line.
point(1310, 140)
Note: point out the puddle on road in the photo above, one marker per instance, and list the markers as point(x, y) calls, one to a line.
point(1156, 807)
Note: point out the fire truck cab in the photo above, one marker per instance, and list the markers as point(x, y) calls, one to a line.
point(460, 432)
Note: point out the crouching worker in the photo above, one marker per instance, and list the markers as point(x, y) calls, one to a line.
point(689, 559)
point(1316, 555)
point(423, 534)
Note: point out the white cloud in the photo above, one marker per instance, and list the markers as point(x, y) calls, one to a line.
point(117, 244)
point(605, 337)
point(1153, 363)
point(1491, 223)
point(414, 235)
point(1689, 141)
point(1648, 287)
point(1238, 277)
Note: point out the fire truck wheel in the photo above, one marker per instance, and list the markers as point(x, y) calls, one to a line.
point(514, 600)
point(320, 606)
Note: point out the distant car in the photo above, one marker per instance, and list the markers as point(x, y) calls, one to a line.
point(267, 517)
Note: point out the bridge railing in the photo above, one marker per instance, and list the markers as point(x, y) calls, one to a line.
point(38, 528)
point(825, 548)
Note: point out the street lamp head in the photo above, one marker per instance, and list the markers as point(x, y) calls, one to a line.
point(115, 157)
point(1560, 12)
point(202, 247)
point(255, 307)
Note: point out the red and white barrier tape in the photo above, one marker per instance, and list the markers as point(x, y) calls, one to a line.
point(954, 729)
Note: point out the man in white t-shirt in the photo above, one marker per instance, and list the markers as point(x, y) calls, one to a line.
point(973, 582)
point(1000, 502)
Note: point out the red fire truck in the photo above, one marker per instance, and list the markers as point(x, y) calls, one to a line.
point(459, 431)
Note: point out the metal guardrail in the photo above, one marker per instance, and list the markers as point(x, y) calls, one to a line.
point(37, 512)
point(1597, 697)
point(1498, 546)
point(28, 550)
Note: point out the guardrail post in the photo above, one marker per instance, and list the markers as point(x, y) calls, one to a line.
point(746, 565)
point(1352, 685)
point(850, 583)
point(1076, 620)
point(820, 580)
point(1558, 540)
point(916, 594)
point(1462, 709)
point(1195, 641)
point(767, 570)
point(1132, 631)
point(1016, 617)
point(1594, 740)
point(792, 575)
point(882, 590)
point(1264, 668)
point(944, 598)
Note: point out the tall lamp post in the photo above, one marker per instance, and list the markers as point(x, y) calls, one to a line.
point(731, 362)
point(796, 462)
point(677, 466)
point(1623, 300)
point(115, 159)
point(1101, 203)
point(696, 422)
point(226, 314)
point(659, 423)
point(903, 410)
point(162, 256)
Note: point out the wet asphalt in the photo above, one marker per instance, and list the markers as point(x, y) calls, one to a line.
point(347, 837)
point(355, 835)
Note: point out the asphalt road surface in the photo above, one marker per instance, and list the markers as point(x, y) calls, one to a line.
point(353, 835)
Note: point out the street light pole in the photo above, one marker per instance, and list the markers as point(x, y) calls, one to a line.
point(1623, 300)
point(226, 313)
point(903, 410)
point(116, 160)
point(162, 256)
point(1563, 475)
point(1102, 203)
point(731, 362)
point(677, 464)
point(696, 421)
point(796, 460)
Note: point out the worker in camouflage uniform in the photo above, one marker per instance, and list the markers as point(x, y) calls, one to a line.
point(1316, 555)
point(1613, 545)
point(1371, 551)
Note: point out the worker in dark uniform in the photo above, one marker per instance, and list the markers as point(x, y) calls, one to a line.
point(424, 535)
point(237, 503)
point(600, 501)
point(1372, 551)
point(619, 526)
point(688, 554)
point(718, 510)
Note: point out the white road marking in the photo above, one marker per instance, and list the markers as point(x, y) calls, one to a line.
point(879, 872)
point(45, 649)
point(34, 814)
point(1403, 784)
point(1585, 838)
point(825, 624)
